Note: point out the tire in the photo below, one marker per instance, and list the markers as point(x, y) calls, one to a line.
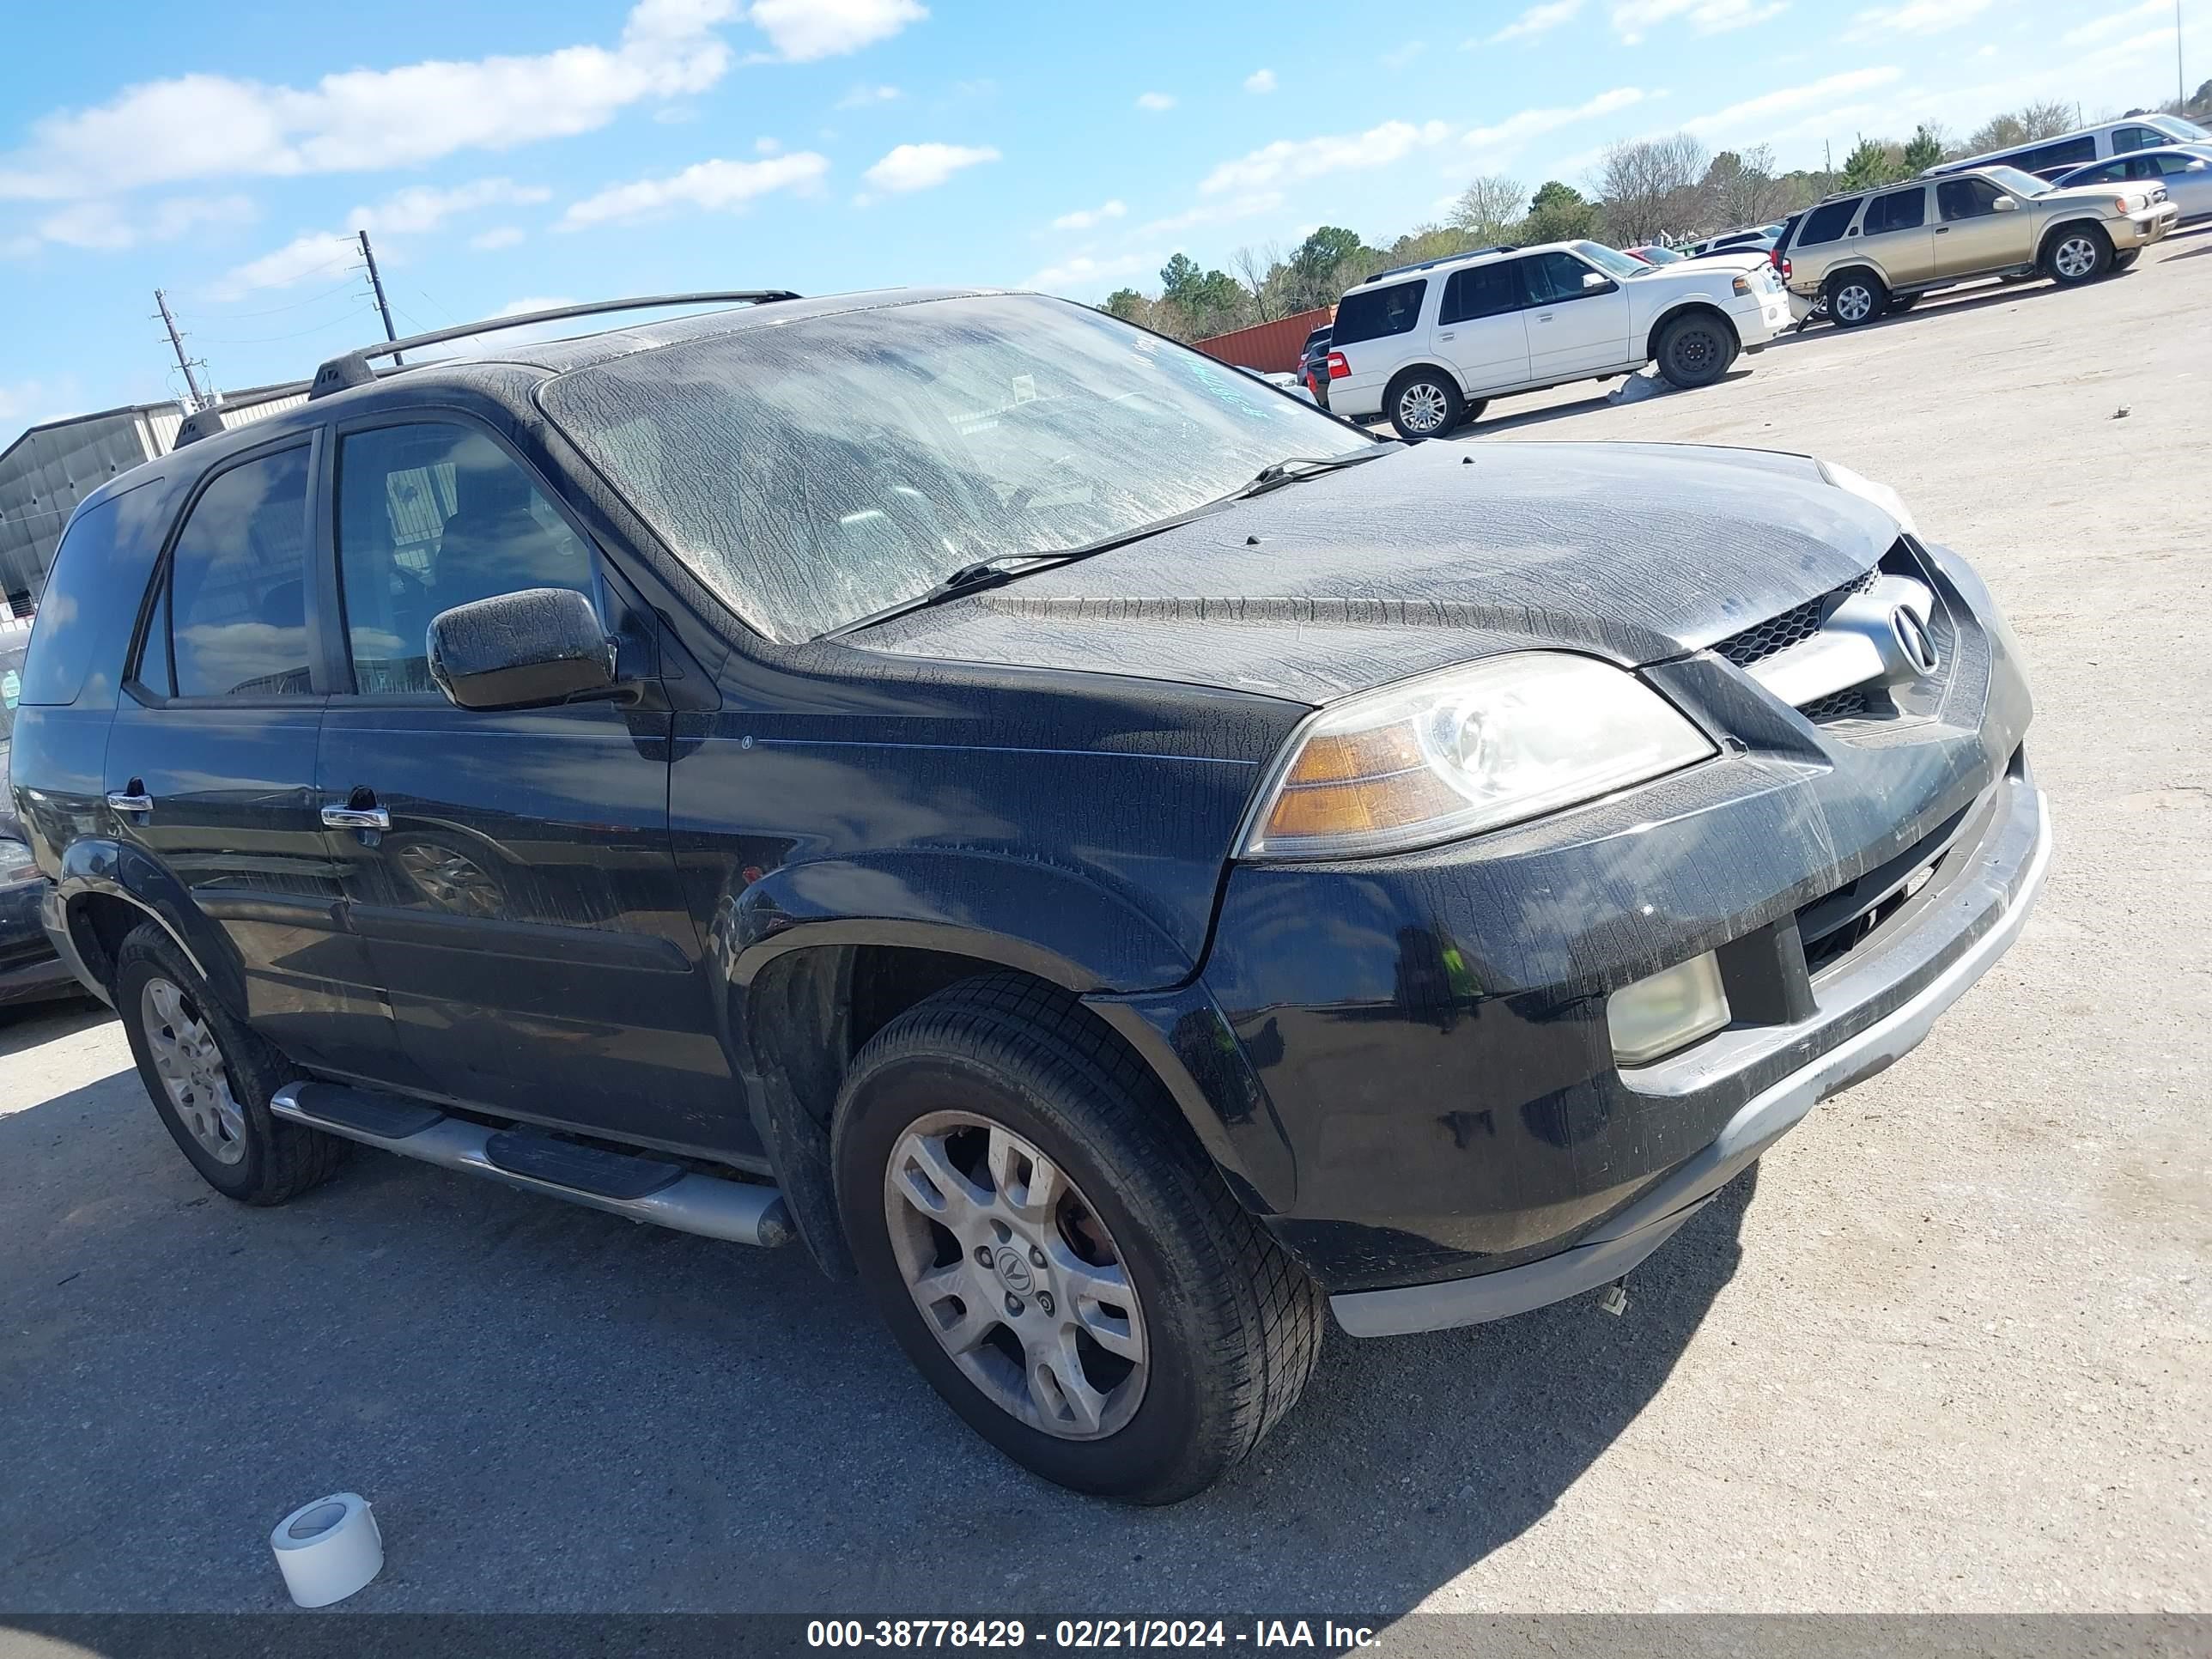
point(239, 1148)
point(1902, 301)
point(1474, 411)
point(1423, 403)
point(1856, 298)
point(2077, 254)
point(1219, 1330)
point(2123, 261)
point(1695, 350)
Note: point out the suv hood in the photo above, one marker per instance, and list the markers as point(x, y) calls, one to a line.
point(1439, 554)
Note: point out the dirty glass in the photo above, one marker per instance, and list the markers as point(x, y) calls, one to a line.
point(816, 470)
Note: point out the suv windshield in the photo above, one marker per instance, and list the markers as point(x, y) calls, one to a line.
point(816, 471)
point(1613, 263)
point(2019, 183)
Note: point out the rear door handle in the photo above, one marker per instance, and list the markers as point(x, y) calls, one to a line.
point(133, 799)
point(1942, 230)
point(356, 817)
point(1446, 335)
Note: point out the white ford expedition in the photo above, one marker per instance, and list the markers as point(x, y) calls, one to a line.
point(1428, 345)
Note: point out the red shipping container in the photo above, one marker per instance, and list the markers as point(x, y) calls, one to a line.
point(1271, 348)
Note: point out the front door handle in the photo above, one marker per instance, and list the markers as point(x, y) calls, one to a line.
point(356, 817)
point(1446, 335)
point(133, 799)
point(1942, 230)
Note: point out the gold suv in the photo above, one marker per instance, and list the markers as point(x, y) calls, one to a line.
point(1869, 252)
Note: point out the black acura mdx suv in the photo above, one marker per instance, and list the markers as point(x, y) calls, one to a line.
point(1123, 861)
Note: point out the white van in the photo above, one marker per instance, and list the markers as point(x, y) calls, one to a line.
point(1428, 345)
point(2048, 157)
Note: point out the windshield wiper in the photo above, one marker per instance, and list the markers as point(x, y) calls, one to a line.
point(1002, 567)
point(1299, 468)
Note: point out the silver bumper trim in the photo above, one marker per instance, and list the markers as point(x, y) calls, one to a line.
point(1628, 1237)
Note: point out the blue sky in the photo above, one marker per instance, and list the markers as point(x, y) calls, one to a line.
point(500, 153)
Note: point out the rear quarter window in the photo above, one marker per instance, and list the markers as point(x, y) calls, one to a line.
point(91, 601)
point(1378, 312)
point(1827, 222)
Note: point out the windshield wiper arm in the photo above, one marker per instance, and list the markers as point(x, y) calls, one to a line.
point(1299, 468)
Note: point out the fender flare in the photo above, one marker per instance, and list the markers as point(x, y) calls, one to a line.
point(115, 869)
point(1675, 309)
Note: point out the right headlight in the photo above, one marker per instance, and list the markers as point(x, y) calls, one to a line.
point(1470, 749)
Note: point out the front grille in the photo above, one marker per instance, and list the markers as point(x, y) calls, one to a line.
point(1837, 706)
point(1792, 627)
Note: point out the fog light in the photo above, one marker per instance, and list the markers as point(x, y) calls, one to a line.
point(1668, 1010)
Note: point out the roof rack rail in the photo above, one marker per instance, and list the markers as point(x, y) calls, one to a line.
point(352, 369)
point(207, 420)
point(1443, 259)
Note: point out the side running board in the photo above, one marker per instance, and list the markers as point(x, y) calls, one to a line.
point(642, 1187)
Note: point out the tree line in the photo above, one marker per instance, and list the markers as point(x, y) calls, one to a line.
point(1669, 190)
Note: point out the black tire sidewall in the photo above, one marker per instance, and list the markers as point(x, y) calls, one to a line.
point(2095, 236)
point(143, 958)
point(1145, 1460)
point(1455, 404)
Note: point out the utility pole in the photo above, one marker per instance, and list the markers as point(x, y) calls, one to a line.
point(176, 342)
point(2180, 81)
point(376, 282)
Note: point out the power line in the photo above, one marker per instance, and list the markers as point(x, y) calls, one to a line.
point(296, 334)
point(271, 311)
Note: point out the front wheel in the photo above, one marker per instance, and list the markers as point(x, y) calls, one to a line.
point(2122, 261)
point(1696, 350)
point(1423, 403)
point(1056, 1253)
point(2079, 254)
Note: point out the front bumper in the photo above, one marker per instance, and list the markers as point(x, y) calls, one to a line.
point(2141, 228)
point(1994, 894)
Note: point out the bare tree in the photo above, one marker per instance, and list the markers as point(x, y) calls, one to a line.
point(1490, 207)
point(1651, 187)
point(1742, 187)
point(2050, 119)
point(1259, 269)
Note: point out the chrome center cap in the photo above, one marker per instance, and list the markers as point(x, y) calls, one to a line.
point(1013, 1270)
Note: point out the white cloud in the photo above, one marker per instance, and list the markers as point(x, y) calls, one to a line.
point(1537, 20)
point(199, 126)
point(422, 207)
point(768, 146)
point(2098, 28)
point(1509, 135)
point(498, 236)
point(804, 30)
point(1915, 17)
point(1155, 101)
point(1089, 274)
point(1086, 218)
point(1215, 213)
point(313, 254)
point(1287, 159)
point(106, 225)
point(1759, 113)
point(862, 97)
point(1260, 80)
point(922, 166)
point(710, 186)
point(1400, 56)
point(1633, 19)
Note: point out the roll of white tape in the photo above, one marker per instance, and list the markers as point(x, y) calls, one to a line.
point(328, 1549)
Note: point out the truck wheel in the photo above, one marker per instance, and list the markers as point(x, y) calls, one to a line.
point(2122, 261)
point(1696, 350)
point(1474, 411)
point(211, 1078)
point(1422, 404)
point(1855, 297)
point(1054, 1251)
point(2079, 253)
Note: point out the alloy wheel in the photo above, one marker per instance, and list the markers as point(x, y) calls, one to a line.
point(1854, 302)
point(1422, 406)
point(2076, 257)
point(193, 1071)
point(1016, 1274)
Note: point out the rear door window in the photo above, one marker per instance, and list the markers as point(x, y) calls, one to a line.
point(1900, 210)
point(1827, 222)
point(2128, 138)
point(237, 584)
point(1479, 291)
point(1377, 313)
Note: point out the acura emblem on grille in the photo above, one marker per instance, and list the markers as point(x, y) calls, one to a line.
point(1912, 639)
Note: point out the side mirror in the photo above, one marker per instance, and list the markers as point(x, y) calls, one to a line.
point(1593, 283)
point(2197, 165)
point(2005, 204)
point(513, 650)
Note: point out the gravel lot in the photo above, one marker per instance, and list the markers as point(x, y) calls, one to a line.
point(1945, 1350)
